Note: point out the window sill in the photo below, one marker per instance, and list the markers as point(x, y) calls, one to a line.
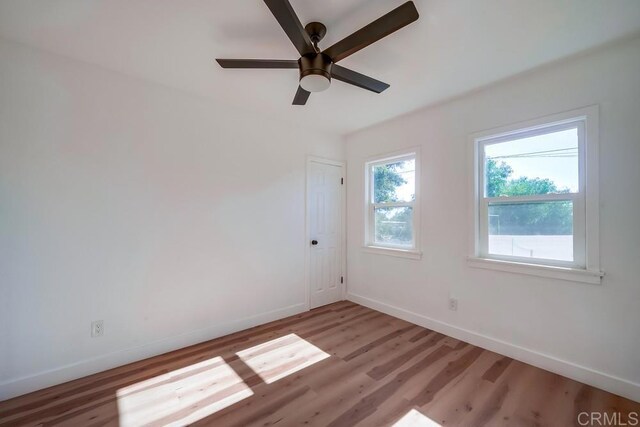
point(552, 272)
point(401, 253)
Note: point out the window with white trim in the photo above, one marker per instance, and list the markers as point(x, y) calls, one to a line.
point(532, 198)
point(391, 202)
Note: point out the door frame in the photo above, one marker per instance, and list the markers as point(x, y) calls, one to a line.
point(307, 223)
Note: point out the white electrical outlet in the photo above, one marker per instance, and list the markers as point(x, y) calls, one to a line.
point(97, 328)
point(453, 304)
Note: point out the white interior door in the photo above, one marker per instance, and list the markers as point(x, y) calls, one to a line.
point(325, 207)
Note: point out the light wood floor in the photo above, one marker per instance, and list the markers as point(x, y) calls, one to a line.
point(339, 365)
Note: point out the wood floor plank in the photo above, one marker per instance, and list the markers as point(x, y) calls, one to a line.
point(463, 395)
point(446, 375)
point(517, 379)
point(321, 411)
point(384, 369)
point(339, 365)
point(368, 405)
point(497, 369)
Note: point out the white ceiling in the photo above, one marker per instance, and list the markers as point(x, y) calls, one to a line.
point(456, 46)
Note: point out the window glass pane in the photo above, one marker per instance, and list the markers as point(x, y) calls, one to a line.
point(394, 182)
point(532, 230)
point(541, 164)
point(394, 226)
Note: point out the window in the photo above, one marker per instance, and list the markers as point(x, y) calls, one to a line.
point(531, 195)
point(391, 203)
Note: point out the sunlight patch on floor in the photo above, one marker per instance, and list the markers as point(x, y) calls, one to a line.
point(413, 418)
point(280, 357)
point(182, 396)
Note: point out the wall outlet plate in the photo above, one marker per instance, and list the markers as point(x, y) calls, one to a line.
point(97, 328)
point(453, 304)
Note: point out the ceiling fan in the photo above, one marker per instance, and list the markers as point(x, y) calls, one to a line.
point(317, 66)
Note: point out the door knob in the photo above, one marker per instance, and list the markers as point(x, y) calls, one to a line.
point(314, 242)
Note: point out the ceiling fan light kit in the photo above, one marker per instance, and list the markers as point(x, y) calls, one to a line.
point(317, 67)
point(315, 72)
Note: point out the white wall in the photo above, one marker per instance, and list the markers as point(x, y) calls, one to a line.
point(588, 332)
point(169, 217)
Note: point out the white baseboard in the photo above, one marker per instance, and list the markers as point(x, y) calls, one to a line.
point(550, 363)
point(18, 386)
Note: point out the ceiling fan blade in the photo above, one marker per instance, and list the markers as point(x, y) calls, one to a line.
point(291, 25)
point(301, 97)
point(257, 63)
point(381, 27)
point(352, 77)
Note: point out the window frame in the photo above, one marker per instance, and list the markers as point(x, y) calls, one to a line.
point(585, 262)
point(370, 245)
point(577, 199)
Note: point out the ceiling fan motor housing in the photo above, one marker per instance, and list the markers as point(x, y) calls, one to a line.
point(315, 63)
point(312, 67)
